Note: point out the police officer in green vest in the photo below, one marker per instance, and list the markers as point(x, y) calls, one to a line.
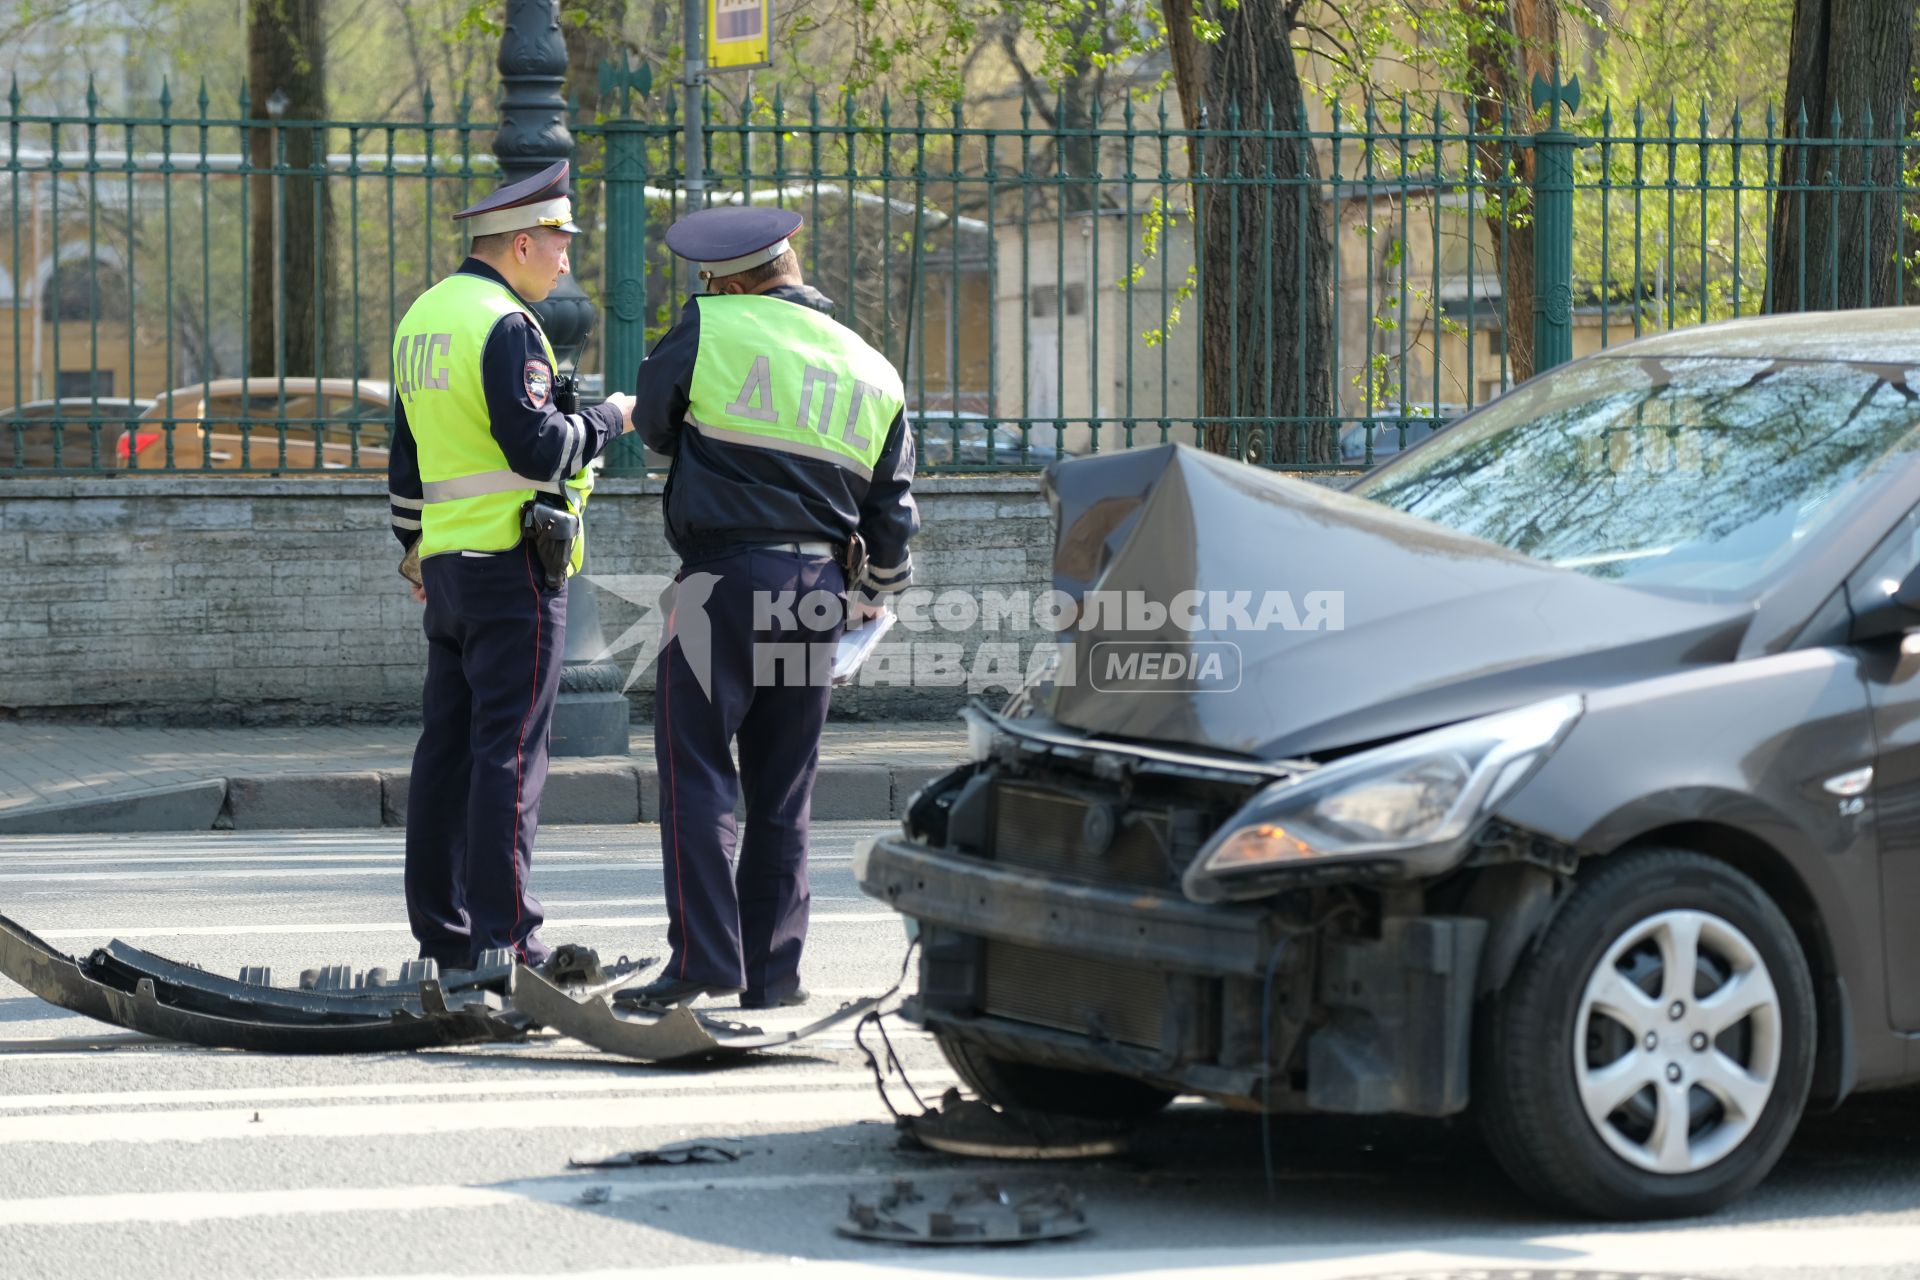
point(488, 481)
point(790, 455)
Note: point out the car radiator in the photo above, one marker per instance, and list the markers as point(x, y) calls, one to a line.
point(1061, 834)
point(1074, 838)
point(1077, 994)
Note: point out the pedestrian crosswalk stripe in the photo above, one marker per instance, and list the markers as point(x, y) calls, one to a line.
point(1717, 1251)
point(37, 870)
point(601, 1116)
point(206, 1206)
point(658, 1083)
point(879, 915)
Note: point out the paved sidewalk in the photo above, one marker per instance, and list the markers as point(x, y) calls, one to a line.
point(81, 778)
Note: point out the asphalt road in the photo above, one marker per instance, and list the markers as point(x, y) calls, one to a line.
point(120, 1156)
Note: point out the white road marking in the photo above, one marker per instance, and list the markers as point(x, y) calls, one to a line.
point(75, 1048)
point(652, 1083)
point(204, 1206)
point(215, 855)
point(203, 873)
point(602, 1115)
point(194, 866)
point(1717, 1251)
point(879, 915)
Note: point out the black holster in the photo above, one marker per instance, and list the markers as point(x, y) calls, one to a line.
point(552, 530)
point(853, 561)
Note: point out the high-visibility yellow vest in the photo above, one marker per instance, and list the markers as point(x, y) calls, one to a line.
point(776, 375)
point(472, 494)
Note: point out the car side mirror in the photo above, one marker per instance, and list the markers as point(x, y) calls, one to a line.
point(1887, 608)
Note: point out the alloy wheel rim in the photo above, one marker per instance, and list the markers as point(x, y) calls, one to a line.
point(1676, 1048)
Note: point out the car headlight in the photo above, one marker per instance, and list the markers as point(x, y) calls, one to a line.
point(1409, 806)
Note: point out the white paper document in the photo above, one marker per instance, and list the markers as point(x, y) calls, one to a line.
point(856, 646)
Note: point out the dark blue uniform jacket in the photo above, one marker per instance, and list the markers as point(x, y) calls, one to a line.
point(722, 497)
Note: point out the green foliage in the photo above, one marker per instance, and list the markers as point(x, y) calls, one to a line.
point(477, 23)
point(1670, 211)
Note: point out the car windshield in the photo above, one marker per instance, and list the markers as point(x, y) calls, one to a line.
point(1696, 472)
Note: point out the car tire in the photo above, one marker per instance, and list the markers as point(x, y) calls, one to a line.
point(1028, 1086)
point(1708, 1120)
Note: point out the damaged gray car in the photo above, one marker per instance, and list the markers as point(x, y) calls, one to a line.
point(1585, 799)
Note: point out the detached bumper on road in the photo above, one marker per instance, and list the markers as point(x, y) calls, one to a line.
point(671, 1035)
point(149, 994)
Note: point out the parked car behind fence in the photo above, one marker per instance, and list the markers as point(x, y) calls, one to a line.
point(76, 433)
point(959, 441)
point(266, 425)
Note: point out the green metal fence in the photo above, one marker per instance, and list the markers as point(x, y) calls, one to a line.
point(1316, 296)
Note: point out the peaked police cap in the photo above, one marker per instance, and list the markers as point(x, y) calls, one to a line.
point(732, 239)
point(539, 201)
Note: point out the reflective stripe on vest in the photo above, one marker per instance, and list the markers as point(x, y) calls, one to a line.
point(484, 483)
point(776, 375)
point(472, 496)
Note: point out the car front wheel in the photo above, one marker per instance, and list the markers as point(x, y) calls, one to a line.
point(1028, 1086)
point(1652, 1054)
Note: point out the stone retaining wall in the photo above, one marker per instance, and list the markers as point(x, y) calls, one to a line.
point(240, 600)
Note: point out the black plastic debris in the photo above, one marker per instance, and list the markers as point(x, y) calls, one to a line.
point(672, 1153)
point(336, 1012)
point(978, 1213)
point(963, 1127)
point(669, 1035)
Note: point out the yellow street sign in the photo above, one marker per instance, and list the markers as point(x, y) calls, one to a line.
point(739, 34)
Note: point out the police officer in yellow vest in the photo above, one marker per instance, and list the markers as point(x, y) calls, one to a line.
point(488, 481)
point(789, 445)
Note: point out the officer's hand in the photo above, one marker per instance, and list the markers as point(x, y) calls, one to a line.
point(419, 594)
point(624, 403)
point(861, 606)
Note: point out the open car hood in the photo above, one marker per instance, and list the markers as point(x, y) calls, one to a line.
point(1425, 626)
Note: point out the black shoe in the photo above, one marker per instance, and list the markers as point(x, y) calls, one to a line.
point(665, 993)
point(792, 1000)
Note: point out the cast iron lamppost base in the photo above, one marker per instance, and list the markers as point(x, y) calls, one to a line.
point(590, 718)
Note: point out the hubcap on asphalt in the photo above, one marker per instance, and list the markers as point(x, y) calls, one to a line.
point(1677, 1043)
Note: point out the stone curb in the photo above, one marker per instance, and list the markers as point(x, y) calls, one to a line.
point(302, 801)
point(192, 806)
point(610, 791)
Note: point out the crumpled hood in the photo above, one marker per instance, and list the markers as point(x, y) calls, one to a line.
point(1424, 626)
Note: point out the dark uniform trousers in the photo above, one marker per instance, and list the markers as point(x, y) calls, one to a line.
point(494, 640)
point(743, 924)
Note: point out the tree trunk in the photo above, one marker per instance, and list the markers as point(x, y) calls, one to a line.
point(286, 53)
point(1502, 67)
point(1838, 250)
point(1068, 109)
point(1266, 257)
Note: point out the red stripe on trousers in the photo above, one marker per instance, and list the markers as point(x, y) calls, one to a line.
point(519, 749)
point(666, 715)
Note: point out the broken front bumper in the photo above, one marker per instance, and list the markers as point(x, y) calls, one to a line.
point(337, 1011)
point(669, 1035)
point(1230, 1001)
point(131, 988)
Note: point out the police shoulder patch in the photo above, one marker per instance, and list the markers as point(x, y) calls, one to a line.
point(539, 382)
